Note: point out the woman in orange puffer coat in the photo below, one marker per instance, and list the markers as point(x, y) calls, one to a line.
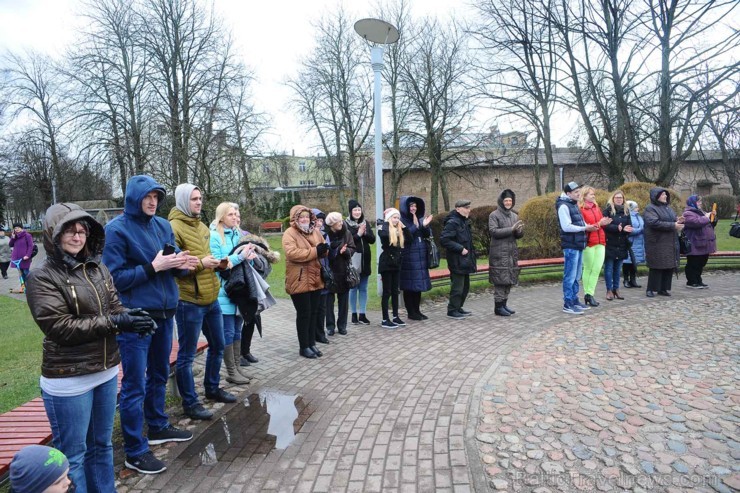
point(304, 246)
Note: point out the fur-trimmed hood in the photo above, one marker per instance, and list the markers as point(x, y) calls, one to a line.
point(262, 247)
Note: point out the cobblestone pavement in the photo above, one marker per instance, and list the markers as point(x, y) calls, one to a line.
point(641, 389)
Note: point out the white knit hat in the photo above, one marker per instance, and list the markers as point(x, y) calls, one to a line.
point(389, 213)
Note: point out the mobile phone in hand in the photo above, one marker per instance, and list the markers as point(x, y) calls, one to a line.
point(168, 249)
point(223, 264)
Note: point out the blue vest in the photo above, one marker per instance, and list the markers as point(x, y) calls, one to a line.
point(571, 241)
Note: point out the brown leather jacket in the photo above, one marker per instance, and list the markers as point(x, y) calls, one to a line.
point(71, 298)
point(302, 268)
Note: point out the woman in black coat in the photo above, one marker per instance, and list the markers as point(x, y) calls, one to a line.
point(341, 248)
point(393, 238)
point(414, 267)
point(661, 242)
point(617, 242)
point(363, 236)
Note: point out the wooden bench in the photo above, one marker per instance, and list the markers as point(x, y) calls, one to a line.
point(438, 276)
point(27, 424)
point(272, 227)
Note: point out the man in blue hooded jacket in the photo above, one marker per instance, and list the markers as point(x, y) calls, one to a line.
point(140, 256)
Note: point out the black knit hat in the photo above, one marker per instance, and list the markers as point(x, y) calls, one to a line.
point(352, 204)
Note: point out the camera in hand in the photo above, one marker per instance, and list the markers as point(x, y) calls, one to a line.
point(223, 264)
point(168, 249)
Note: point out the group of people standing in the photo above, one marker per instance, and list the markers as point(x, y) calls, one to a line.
point(329, 263)
point(619, 239)
point(110, 295)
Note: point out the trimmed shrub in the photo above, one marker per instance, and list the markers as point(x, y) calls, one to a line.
point(640, 193)
point(726, 205)
point(479, 225)
point(541, 229)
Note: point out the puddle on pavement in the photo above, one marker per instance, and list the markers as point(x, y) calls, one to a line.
point(267, 420)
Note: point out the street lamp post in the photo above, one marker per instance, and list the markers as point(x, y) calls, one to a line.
point(379, 33)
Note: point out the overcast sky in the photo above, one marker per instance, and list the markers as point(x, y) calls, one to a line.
point(272, 35)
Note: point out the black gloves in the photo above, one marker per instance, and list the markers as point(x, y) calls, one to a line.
point(335, 244)
point(134, 320)
point(321, 249)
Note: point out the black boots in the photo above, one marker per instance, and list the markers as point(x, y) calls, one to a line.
point(506, 306)
point(633, 280)
point(629, 274)
point(590, 300)
point(500, 310)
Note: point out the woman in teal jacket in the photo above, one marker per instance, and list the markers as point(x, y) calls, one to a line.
point(225, 235)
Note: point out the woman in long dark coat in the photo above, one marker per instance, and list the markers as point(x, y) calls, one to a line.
point(661, 241)
point(505, 228)
point(414, 266)
point(341, 248)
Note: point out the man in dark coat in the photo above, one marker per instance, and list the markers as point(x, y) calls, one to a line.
point(457, 238)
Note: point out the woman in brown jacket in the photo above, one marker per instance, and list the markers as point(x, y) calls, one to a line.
point(72, 299)
point(303, 246)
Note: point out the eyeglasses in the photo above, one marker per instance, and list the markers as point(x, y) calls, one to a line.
point(71, 234)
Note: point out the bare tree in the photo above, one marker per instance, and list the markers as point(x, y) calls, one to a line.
point(183, 40)
point(724, 125)
point(33, 91)
point(333, 92)
point(434, 71)
point(109, 68)
point(245, 125)
point(691, 67)
point(401, 156)
point(517, 66)
point(603, 50)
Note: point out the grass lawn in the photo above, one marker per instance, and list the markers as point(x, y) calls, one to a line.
point(725, 242)
point(20, 355)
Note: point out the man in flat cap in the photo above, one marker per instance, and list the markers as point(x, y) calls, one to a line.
point(457, 238)
point(573, 241)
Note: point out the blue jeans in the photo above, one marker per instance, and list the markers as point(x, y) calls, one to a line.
point(612, 267)
point(146, 367)
point(360, 290)
point(232, 329)
point(572, 271)
point(81, 428)
point(190, 319)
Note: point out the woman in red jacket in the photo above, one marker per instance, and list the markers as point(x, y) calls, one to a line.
point(593, 255)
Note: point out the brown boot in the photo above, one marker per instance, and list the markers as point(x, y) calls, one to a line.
point(617, 295)
point(609, 295)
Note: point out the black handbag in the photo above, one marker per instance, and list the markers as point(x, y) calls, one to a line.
point(735, 230)
point(353, 276)
point(432, 253)
point(684, 244)
point(327, 276)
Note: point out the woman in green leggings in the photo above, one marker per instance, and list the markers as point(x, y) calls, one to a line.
point(593, 255)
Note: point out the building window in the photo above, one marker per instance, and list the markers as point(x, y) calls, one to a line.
point(307, 183)
point(515, 141)
point(265, 168)
point(302, 166)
